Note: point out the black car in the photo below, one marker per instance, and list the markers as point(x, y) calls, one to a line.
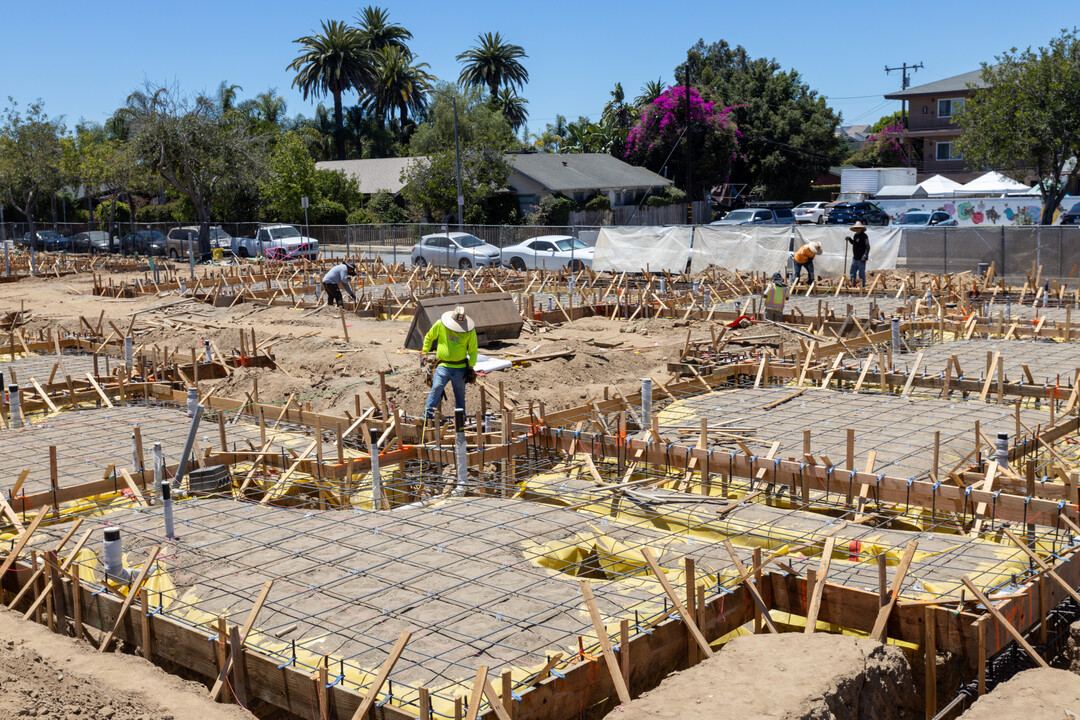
point(47, 240)
point(849, 213)
point(143, 242)
point(93, 241)
point(1072, 217)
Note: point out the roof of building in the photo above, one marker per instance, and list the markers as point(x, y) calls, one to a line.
point(576, 172)
point(373, 174)
point(956, 83)
point(854, 133)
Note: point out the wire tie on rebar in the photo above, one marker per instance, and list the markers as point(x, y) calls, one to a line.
point(557, 674)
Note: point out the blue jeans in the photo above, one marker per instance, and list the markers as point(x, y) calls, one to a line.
point(443, 375)
point(809, 265)
point(858, 267)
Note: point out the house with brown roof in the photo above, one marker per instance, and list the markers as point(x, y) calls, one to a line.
point(931, 131)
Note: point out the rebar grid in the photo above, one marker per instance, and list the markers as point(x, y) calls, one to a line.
point(40, 367)
point(88, 441)
point(1050, 363)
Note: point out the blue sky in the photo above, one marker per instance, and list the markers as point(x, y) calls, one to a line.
point(82, 59)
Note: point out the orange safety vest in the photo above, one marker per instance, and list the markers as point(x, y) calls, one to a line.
point(804, 255)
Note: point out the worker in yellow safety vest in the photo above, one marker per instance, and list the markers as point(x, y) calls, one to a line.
point(776, 295)
point(454, 337)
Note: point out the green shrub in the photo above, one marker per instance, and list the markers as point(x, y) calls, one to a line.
point(123, 213)
point(552, 210)
point(327, 212)
point(656, 201)
point(598, 202)
point(384, 208)
point(674, 195)
point(336, 186)
point(359, 216)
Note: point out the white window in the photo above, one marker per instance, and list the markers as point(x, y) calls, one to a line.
point(947, 151)
point(946, 108)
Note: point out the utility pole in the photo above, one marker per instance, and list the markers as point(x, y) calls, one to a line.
point(904, 82)
point(689, 157)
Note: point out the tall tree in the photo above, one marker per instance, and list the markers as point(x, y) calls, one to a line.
point(377, 32)
point(332, 63)
point(651, 90)
point(270, 107)
point(479, 123)
point(31, 157)
point(1028, 117)
point(664, 129)
point(512, 107)
point(193, 150)
point(226, 96)
point(788, 130)
point(493, 63)
point(398, 83)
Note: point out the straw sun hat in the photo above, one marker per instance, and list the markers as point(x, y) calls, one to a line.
point(457, 320)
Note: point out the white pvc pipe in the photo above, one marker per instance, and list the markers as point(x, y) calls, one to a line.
point(114, 557)
point(129, 352)
point(646, 403)
point(461, 456)
point(14, 406)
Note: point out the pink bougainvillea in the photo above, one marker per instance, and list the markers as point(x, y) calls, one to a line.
point(715, 138)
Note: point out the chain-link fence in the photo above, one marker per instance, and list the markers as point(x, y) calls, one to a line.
point(1014, 251)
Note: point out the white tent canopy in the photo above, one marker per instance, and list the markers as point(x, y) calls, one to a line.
point(940, 186)
point(992, 183)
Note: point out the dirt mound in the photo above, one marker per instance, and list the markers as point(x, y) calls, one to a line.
point(1040, 694)
point(811, 677)
point(50, 676)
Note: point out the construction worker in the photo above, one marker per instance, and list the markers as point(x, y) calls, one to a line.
point(804, 258)
point(337, 278)
point(454, 337)
point(775, 297)
point(860, 252)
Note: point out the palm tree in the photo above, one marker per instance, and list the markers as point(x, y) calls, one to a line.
point(377, 32)
point(494, 63)
point(332, 63)
point(398, 84)
point(649, 92)
point(227, 95)
point(269, 106)
point(513, 107)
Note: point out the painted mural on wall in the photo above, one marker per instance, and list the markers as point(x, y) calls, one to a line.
point(980, 212)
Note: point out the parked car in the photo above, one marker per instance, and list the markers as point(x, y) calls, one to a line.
point(922, 218)
point(283, 242)
point(810, 212)
point(549, 252)
point(143, 242)
point(93, 241)
point(454, 249)
point(180, 239)
point(1072, 217)
point(849, 213)
point(46, 240)
point(757, 216)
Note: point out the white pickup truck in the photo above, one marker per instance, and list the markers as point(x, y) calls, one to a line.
point(277, 242)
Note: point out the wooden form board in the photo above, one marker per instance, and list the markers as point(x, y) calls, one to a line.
point(947, 498)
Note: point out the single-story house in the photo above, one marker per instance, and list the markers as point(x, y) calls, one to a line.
point(577, 176)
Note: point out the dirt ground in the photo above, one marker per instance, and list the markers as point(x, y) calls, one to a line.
point(318, 366)
point(1040, 694)
point(786, 677)
point(50, 676)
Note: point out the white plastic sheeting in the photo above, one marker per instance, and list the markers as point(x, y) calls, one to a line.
point(761, 249)
point(632, 249)
point(742, 248)
point(836, 256)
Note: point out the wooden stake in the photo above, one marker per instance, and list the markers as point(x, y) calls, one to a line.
point(605, 643)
